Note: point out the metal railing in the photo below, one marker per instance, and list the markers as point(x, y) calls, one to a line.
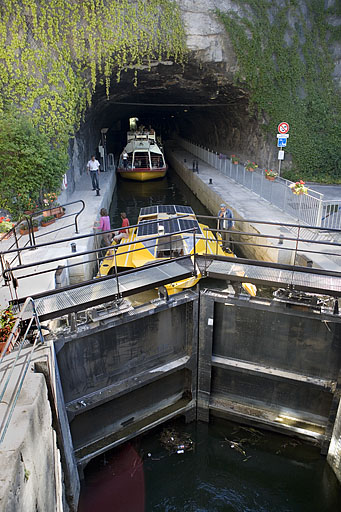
point(31, 241)
point(295, 247)
point(311, 209)
point(8, 375)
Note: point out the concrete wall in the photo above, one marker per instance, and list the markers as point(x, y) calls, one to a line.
point(30, 468)
point(125, 374)
point(262, 363)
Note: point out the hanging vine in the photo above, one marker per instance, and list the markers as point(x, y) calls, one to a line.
point(285, 61)
point(52, 52)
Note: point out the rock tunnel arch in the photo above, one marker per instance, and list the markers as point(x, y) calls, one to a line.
point(196, 100)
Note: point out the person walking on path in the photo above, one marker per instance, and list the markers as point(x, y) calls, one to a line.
point(225, 222)
point(122, 233)
point(105, 226)
point(93, 167)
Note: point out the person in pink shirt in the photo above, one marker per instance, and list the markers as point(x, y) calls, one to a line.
point(122, 233)
point(105, 226)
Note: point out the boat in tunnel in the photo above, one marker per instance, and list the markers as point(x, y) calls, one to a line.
point(164, 232)
point(142, 158)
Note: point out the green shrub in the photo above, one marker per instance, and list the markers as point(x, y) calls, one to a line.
point(28, 164)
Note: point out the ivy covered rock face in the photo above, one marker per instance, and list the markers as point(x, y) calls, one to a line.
point(51, 53)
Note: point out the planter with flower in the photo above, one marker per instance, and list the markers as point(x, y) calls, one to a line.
point(234, 159)
point(250, 166)
point(270, 174)
point(50, 203)
point(48, 220)
point(24, 227)
point(6, 226)
point(7, 321)
point(27, 204)
point(298, 188)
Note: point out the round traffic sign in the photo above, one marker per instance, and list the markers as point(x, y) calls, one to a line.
point(283, 127)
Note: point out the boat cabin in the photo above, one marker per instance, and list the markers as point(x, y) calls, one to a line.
point(164, 223)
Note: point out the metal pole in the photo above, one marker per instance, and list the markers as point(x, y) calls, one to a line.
point(117, 281)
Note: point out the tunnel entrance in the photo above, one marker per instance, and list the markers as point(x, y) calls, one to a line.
point(196, 101)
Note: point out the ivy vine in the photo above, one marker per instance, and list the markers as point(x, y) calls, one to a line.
point(53, 51)
point(284, 59)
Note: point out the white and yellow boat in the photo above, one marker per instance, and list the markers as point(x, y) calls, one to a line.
point(145, 160)
point(159, 236)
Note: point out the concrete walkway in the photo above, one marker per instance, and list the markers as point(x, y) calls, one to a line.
point(213, 188)
point(86, 220)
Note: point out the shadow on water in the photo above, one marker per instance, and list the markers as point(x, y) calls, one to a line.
point(229, 468)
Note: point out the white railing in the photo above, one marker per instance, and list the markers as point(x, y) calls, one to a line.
point(311, 209)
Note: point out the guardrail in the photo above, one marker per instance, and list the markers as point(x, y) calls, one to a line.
point(311, 209)
point(7, 367)
point(30, 243)
point(295, 246)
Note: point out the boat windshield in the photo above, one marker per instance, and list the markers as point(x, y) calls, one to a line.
point(170, 247)
point(141, 160)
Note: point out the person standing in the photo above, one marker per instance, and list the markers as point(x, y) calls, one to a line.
point(125, 159)
point(93, 167)
point(105, 226)
point(122, 233)
point(225, 222)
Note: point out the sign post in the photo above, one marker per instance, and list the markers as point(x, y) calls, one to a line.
point(282, 138)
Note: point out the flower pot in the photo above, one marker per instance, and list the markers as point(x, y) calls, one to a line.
point(2, 346)
point(270, 178)
point(47, 213)
point(26, 231)
point(60, 213)
point(250, 169)
point(6, 236)
point(236, 163)
point(56, 211)
point(28, 212)
point(44, 224)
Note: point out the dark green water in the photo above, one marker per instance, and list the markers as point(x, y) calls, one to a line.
point(268, 473)
point(131, 196)
point(274, 474)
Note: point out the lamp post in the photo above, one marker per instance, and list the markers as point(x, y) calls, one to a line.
point(104, 145)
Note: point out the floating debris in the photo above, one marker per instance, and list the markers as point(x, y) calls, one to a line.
point(176, 442)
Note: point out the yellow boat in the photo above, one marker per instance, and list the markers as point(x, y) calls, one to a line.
point(142, 159)
point(159, 236)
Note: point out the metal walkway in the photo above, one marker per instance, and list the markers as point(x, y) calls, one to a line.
point(307, 279)
point(56, 303)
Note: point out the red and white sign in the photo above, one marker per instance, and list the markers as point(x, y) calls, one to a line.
point(283, 128)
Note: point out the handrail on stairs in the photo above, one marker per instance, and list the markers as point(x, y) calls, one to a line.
point(17, 340)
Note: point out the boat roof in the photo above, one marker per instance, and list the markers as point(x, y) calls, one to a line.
point(170, 209)
point(173, 218)
point(142, 145)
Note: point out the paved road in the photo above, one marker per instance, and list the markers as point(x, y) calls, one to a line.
point(330, 191)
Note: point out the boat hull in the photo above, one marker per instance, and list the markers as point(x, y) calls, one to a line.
point(141, 175)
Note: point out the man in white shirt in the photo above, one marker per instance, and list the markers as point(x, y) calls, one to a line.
point(93, 167)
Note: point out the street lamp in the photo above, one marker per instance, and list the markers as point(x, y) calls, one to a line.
point(104, 145)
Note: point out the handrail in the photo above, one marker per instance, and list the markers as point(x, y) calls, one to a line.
point(36, 213)
point(323, 243)
point(92, 251)
point(5, 380)
point(30, 244)
point(310, 208)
